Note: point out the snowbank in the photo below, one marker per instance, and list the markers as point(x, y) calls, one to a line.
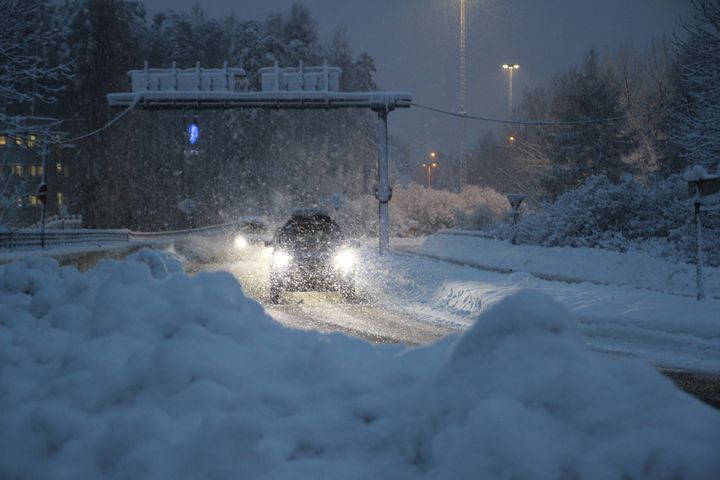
point(634, 269)
point(135, 370)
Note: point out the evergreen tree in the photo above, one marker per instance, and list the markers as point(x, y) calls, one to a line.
point(586, 149)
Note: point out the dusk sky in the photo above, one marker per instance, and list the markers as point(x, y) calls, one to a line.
point(415, 44)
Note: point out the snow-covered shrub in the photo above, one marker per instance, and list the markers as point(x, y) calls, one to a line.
point(416, 210)
point(619, 216)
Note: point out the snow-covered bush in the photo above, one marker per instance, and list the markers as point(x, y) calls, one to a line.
point(416, 210)
point(619, 216)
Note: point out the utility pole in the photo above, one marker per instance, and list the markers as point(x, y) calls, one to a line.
point(43, 188)
point(383, 192)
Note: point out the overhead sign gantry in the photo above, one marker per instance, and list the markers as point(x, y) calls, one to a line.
point(308, 88)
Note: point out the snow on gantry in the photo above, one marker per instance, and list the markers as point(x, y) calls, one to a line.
point(302, 87)
point(136, 370)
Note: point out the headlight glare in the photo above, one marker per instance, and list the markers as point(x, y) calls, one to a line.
point(241, 242)
point(344, 260)
point(281, 259)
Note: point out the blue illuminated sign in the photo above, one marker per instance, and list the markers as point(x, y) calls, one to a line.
point(193, 133)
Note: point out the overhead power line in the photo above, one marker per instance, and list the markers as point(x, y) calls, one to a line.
point(107, 125)
point(544, 123)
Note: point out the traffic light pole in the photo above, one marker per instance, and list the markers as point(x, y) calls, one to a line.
point(42, 190)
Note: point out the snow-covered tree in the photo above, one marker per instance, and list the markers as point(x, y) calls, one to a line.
point(649, 84)
point(585, 149)
point(28, 75)
point(699, 51)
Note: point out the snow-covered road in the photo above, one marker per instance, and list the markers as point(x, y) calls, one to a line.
point(410, 298)
point(368, 321)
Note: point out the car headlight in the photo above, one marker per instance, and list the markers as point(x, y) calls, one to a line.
point(241, 242)
point(281, 259)
point(344, 260)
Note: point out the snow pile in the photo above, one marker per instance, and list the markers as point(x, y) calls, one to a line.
point(135, 370)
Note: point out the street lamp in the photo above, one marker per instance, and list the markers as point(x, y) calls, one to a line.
point(510, 68)
point(463, 123)
point(430, 165)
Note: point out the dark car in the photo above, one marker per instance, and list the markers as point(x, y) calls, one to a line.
point(310, 254)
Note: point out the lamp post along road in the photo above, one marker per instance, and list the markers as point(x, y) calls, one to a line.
point(510, 68)
point(430, 165)
point(463, 126)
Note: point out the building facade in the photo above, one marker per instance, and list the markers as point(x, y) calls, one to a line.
point(21, 173)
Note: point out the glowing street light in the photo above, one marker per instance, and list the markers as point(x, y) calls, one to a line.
point(510, 69)
point(430, 165)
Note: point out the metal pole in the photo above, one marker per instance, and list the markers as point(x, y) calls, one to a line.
point(383, 191)
point(698, 254)
point(463, 126)
point(429, 176)
point(510, 95)
point(43, 181)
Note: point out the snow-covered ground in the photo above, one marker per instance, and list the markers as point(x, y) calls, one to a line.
point(633, 268)
point(669, 330)
point(137, 370)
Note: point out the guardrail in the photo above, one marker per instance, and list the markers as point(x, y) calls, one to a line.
point(20, 239)
point(466, 233)
point(189, 231)
point(34, 239)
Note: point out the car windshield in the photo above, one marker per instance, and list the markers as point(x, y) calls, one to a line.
point(311, 234)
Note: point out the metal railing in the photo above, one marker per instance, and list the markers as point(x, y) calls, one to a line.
point(34, 238)
point(27, 239)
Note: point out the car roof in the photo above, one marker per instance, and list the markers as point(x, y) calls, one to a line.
point(311, 214)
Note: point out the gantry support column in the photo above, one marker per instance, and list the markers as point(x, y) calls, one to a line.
point(383, 193)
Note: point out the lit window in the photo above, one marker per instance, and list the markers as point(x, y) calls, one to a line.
point(17, 170)
point(60, 170)
point(36, 170)
point(60, 199)
point(3, 140)
point(31, 141)
point(34, 200)
point(18, 141)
